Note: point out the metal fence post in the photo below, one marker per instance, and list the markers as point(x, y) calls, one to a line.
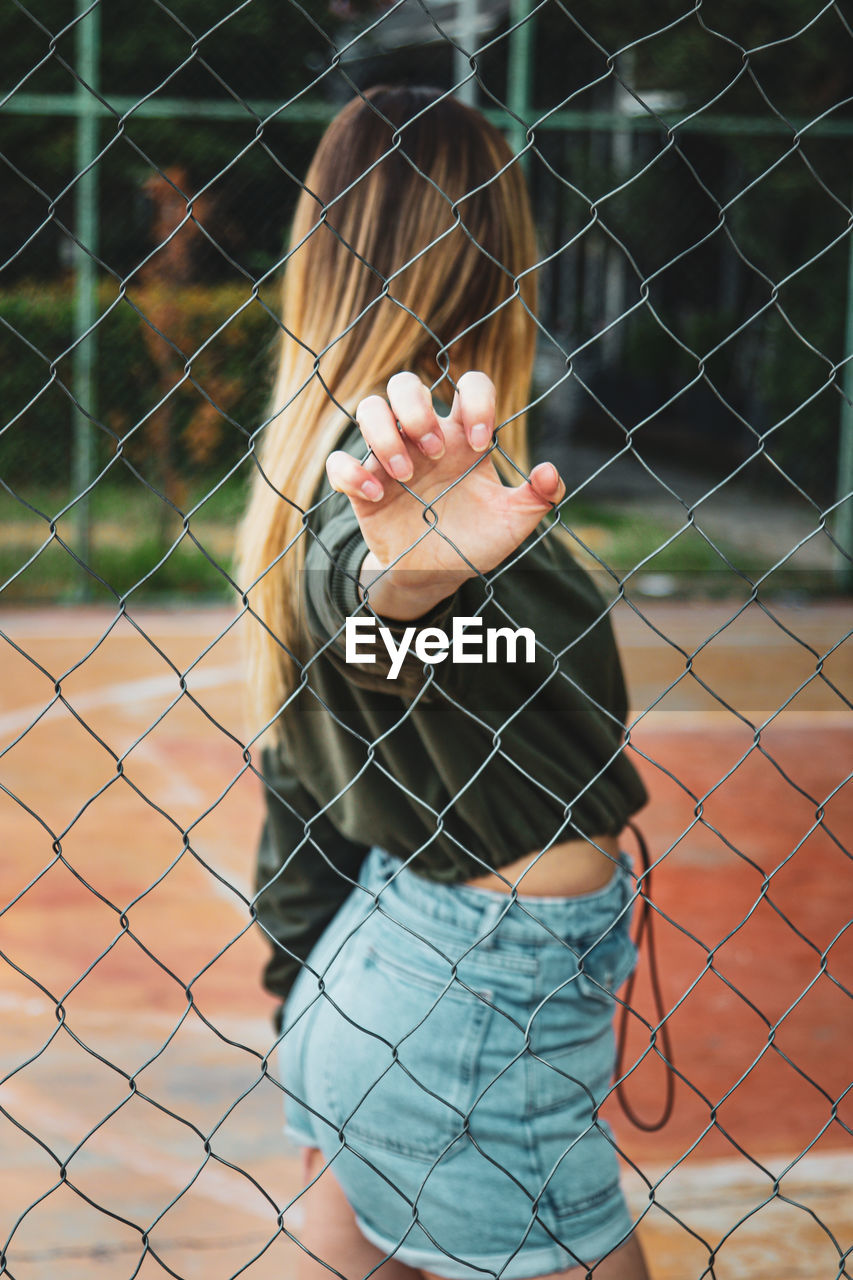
point(520, 51)
point(84, 360)
point(844, 519)
point(612, 341)
point(466, 18)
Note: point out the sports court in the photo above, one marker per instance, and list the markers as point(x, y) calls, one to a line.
point(137, 1116)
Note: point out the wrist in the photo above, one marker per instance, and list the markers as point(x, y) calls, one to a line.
point(405, 594)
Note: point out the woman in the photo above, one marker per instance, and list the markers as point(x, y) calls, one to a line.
point(439, 871)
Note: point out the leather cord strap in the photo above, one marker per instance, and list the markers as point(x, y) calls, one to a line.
point(645, 930)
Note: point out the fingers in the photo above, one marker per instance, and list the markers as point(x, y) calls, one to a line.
point(531, 500)
point(347, 475)
point(474, 408)
point(410, 402)
point(379, 428)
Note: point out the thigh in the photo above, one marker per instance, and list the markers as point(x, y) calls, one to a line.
point(330, 1232)
point(625, 1263)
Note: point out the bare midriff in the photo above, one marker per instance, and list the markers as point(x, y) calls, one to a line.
point(565, 869)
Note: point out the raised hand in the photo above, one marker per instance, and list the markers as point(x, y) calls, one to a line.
point(441, 463)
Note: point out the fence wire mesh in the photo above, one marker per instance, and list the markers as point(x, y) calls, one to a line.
point(690, 174)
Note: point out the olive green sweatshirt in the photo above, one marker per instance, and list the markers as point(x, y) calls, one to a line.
point(460, 766)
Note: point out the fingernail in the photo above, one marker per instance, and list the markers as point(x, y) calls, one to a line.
point(372, 489)
point(481, 437)
point(432, 445)
point(400, 466)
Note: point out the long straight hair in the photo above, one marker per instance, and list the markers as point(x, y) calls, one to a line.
point(412, 247)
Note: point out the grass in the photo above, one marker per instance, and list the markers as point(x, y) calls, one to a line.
point(138, 545)
point(139, 549)
point(143, 570)
point(628, 543)
point(111, 499)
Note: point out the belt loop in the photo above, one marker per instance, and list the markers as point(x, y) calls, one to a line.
point(487, 927)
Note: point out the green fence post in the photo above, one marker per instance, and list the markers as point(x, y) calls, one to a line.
point(844, 519)
point(466, 19)
point(84, 360)
point(520, 51)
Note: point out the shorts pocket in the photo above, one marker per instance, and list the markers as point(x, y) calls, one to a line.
point(607, 962)
point(398, 1054)
point(571, 1040)
point(584, 1184)
point(573, 1079)
point(577, 1160)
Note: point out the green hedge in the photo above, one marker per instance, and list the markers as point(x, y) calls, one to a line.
point(201, 427)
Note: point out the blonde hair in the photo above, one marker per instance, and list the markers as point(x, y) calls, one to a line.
point(411, 248)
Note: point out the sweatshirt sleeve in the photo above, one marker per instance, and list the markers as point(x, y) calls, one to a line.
point(305, 870)
point(330, 594)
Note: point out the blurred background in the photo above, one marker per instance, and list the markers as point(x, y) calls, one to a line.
point(692, 172)
point(696, 283)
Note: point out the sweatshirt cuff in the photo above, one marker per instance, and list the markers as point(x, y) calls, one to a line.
point(346, 596)
point(346, 601)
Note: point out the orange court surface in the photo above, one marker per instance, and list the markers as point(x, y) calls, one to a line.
point(140, 1136)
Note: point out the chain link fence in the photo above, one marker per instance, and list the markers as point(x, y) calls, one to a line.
point(690, 174)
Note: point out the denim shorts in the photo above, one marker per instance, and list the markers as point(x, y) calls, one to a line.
point(447, 1048)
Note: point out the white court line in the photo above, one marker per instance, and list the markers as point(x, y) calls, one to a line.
point(727, 1180)
point(127, 695)
point(763, 1235)
point(741, 639)
point(698, 721)
point(59, 623)
point(713, 1193)
point(141, 1157)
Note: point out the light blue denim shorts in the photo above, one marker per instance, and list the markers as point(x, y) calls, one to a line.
point(448, 1049)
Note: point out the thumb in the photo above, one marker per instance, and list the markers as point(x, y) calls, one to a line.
point(539, 494)
point(545, 485)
